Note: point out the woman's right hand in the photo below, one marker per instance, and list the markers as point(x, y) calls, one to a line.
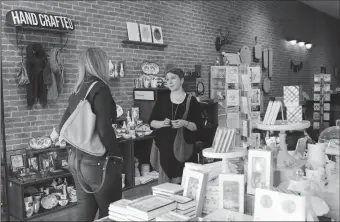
point(166, 122)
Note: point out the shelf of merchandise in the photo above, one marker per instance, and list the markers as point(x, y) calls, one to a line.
point(52, 176)
point(43, 212)
point(144, 43)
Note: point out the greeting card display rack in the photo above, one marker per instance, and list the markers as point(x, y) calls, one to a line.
point(283, 126)
point(322, 98)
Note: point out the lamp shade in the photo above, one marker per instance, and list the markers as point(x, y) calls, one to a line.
point(301, 44)
point(292, 42)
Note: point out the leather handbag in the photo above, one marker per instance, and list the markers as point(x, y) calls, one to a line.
point(79, 129)
point(183, 150)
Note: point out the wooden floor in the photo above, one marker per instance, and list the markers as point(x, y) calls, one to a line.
point(69, 213)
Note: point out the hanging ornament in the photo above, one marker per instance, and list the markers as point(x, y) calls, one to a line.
point(294, 67)
point(111, 69)
point(121, 71)
point(116, 75)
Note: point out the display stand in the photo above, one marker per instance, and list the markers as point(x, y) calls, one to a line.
point(282, 127)
point(239, 152)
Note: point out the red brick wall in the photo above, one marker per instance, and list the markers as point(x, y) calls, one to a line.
point(189, 29)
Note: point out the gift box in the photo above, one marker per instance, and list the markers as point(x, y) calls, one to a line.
point(294, 114)
point(292, 95)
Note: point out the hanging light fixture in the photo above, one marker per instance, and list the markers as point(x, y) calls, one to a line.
point(292, 42)
point(308, 45)
point(301, 43)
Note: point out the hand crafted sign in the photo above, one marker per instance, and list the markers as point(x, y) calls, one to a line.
point(39, 20)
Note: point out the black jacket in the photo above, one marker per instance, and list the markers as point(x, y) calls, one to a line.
point(35, 64)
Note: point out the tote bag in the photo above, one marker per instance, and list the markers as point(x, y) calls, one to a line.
point(183, 150)
point(79, 129)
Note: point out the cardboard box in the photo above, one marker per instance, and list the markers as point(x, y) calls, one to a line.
point(292, 95)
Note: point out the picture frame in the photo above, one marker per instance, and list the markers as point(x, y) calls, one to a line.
point(133, 31)
point(260, 172)
point(270, 205)
point(17, 162)
point(231, 192)
point(145, 33)
point(157, 34)
point(195, 184)
point(33, 163)
point(256, 97)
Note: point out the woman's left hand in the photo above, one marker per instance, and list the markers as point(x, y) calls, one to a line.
point(179, 123)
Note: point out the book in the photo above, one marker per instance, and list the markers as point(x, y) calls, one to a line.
point(186, 211)
point(172, 216)
point(170, 188)
point(119, 206)
point(117, 217)
point(150, 206)
point(227, 215)
point(183, 203)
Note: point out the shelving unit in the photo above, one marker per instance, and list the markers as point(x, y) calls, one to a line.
point(144, 43)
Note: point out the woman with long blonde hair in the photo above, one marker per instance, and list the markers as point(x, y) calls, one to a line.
point(87, 170)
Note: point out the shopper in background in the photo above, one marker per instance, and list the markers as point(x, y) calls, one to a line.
point(167, 119)
point(93, 66)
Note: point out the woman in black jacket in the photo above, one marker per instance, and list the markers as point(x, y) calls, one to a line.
point(93, 66)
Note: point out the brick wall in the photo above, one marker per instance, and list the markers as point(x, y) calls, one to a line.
point(189, 29)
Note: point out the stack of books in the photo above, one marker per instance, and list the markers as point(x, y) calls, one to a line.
point(149, 207)
point(185, 205)
point(167, 189)
point(172, 216)
point(118, 210)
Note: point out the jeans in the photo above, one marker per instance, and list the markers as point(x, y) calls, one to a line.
point(91, 169)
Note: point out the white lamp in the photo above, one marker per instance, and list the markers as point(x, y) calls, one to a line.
point(292, 42)
point(309, 45)
point(301, 44)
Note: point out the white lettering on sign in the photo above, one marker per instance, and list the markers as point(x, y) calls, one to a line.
point(42, 22)
point(18, 17)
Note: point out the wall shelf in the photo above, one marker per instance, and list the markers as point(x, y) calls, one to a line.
point(144, 43)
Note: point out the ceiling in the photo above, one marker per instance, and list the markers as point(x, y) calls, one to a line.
point(330, 7)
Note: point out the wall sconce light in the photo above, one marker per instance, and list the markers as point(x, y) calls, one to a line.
point(292, 42)
point(301, 44)
point(308, 45)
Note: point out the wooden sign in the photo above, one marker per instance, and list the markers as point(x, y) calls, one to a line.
point(39, 20)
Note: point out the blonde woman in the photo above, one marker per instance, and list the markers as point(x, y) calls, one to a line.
point(87, 169)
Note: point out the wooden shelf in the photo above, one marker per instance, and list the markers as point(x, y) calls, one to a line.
point(144, 43)
point(41, 180)
point(44, 212)
point(49, 149)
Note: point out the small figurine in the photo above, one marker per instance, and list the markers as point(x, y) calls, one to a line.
point(121, 71)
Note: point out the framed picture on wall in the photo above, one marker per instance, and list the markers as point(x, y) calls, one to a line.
point(157, 34)
point(145, 33)
point(231, 192)
point(133, 31)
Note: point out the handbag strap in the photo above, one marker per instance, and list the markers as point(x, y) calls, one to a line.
point(88, 91)
point(187, 107)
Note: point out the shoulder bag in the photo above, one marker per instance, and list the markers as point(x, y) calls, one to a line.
point(183, 150)
point(79, 129)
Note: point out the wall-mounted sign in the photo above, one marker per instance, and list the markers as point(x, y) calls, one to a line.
point(39, 20)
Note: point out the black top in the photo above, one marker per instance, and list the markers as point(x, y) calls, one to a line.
point(165, 136)
point(103, 106)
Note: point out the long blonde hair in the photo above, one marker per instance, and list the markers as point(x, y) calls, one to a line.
point(93, 61)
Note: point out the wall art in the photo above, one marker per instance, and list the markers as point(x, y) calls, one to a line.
point(260, 172)
point(133, 31)
point(157, 34)
point(33, 163)
point(231, 192)
point(271, 205)
point(145, 33)
point(17, 162)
